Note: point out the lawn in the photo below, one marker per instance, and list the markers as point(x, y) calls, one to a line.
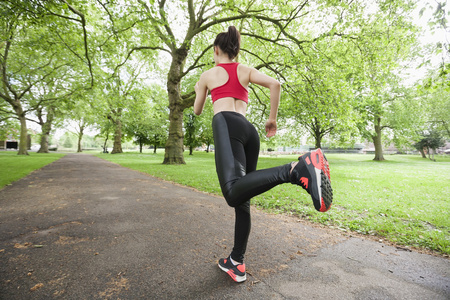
point(14, 167)
point(403, 199)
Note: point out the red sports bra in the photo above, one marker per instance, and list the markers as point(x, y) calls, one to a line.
point(232, 88)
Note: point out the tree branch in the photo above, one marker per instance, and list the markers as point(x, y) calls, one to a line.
point(68, 47)
point(138, 49)
point(162, 13)
point(155, 25)
point(194, 65)
point(2, 110)
point(261, 102)
point(31, 120)
point(187, 100)
point(7, 118)
point(266, 64)
point(86, 49)
point(6, 84)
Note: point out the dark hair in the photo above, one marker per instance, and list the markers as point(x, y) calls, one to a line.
point(229, 42)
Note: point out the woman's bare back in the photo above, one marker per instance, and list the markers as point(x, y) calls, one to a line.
point(217, 77)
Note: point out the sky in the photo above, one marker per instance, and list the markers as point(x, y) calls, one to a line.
point(429, 37)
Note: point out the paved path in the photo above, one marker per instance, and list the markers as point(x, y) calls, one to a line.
point(85, 228)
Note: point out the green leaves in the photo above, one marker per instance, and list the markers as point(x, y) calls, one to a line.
point(331, 56)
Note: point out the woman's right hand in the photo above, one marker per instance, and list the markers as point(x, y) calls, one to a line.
point(271, 127)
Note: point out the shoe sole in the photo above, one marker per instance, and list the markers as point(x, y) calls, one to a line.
point(235, 277)
point(320, 162)
point(323, 180)
point(326, 193)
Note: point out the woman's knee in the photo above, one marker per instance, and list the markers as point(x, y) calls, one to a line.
point(231, 201)
point(238, 202)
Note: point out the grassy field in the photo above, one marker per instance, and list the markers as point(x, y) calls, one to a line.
point(403, 199)
point(14, 167)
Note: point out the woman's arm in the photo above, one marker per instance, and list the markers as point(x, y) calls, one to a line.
point(201, 92)
point(275, 93)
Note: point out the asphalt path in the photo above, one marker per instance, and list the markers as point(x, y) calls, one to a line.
point(85, 228)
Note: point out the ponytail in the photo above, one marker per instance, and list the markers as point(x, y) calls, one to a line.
point(229, 42)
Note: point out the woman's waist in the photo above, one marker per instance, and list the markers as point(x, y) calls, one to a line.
point(230, 105)
point(229, 112)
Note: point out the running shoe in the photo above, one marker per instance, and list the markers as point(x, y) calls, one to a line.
point(237, 272)
point(313, 174)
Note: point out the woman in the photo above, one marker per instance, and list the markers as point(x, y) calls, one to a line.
point(237, 143)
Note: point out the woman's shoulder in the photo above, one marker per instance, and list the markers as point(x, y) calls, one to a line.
point(213, 70)
point(245, 67)
point(208, 73)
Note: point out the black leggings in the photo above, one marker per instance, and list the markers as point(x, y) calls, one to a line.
point(236, 143)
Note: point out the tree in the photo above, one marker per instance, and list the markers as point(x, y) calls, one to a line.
point(386, 40)
point(438, 23)
point(37, 65)
point(67, 141)
point(436, 104)
point(434, 89)
point(9, 128)
point(320, 95)
point(106, 129)
point(140, 132)
point(317, 49)
point(204, 126)
point(394, 115)
point(431, 140)
point(80, 115)
point(146, 119)
point(189, 51)
point(46, 125)
point(191, 127)
point(118, 95)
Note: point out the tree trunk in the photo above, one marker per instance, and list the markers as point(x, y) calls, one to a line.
point(105, 150)
point(117, 148)
point(23, 130)
point(431, 153)
point(46, 128)
point(318, 143)
point(317, 134)
point(423, 153)
point(377, 141)
point(174, 145)
point(80, 137)
point(140, 147)
point(44, 142)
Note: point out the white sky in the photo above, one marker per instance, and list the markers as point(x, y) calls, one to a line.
point(428, 37)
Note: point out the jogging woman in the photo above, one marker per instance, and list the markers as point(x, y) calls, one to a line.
point(237, 145)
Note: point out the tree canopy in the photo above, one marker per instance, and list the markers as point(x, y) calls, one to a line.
point(338, 61)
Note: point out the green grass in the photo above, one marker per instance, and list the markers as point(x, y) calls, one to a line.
point(403, 199)
point(14, 167)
